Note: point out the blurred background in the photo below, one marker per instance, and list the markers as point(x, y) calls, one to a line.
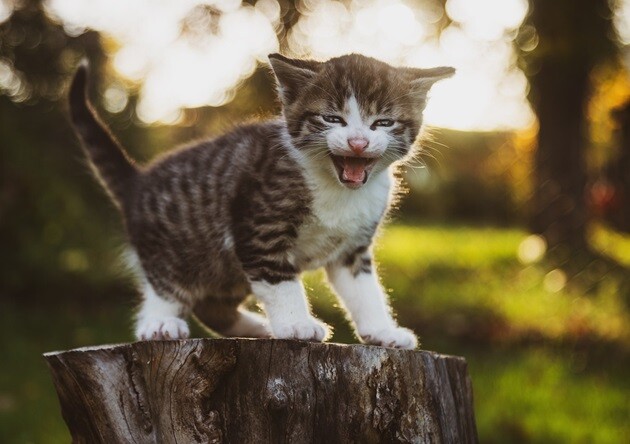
point(511, 248)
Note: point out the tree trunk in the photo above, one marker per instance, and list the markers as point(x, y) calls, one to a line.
point(573, 39)
point(619, 174)
point(559, 196)
point(262, 391)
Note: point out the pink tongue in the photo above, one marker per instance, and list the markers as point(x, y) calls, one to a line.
point(353, 169)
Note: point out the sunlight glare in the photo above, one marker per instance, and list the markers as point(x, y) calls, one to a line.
point(115, 98)
point(401, 17)
point(270, 9)
point(621, 21)
point(11, 82)
point(489, 86)
point(532, 249)
point(131, 62)
point(177, 70)
point(555, 281)
point(377, 28)
point(6, 9)
point(482, 96)
point(487, 19)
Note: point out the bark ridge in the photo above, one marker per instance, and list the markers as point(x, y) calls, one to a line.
point(262, 391)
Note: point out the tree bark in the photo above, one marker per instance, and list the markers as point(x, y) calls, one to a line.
point(619, 173)
point(573, 39)
point(262, 391)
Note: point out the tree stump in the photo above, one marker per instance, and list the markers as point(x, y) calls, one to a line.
point(262, 391)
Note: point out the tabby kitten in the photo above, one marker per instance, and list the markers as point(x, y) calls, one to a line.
point(249, 211)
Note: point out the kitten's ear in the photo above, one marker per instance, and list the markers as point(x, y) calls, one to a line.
point(423, 79)
point(292, 75)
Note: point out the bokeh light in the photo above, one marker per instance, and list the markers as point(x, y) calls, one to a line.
point(487, 19)
point(482, 96)
point(621, 20)
point(547, 312)
point(194, 53)
point(555, 280)
point(178, 66)
point(6, 9)
point(531, 249)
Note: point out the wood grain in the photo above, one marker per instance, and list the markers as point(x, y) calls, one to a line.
point(262, 391)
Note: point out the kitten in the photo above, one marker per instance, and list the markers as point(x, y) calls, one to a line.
point(247, 212)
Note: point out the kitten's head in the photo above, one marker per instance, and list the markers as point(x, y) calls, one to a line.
point(353, 116)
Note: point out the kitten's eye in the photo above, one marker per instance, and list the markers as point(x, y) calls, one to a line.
point(334, 119)
point(383, 122)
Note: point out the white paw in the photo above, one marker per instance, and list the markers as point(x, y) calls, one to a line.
point(395, 337)
point(307, 330)
point(161, 327)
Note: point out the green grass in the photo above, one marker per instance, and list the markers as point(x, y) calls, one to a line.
point(614, 244)
point(29, 411)
point(548, 361)
point(548, 364)
point(459, 279)
point(545, 396)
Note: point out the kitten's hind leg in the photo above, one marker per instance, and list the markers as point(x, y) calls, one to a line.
point(160, 318)
point(228, 318)
point(248, 325)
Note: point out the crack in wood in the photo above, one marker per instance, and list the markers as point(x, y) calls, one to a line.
point(217, 391)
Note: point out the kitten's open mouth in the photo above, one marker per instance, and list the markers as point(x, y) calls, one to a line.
point(353, 171)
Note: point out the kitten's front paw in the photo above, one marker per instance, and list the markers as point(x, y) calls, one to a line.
point(309, 330)
point(395, 337)
point(157, 328)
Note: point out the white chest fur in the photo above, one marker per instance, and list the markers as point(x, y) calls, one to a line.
point(342, 219)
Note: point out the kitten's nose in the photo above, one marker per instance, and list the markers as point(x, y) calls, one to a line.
point(358, 144)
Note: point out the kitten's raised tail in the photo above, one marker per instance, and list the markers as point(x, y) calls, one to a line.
point(112, 165)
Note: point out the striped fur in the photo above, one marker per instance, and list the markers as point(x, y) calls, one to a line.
point(110, 162)
point(252, 209)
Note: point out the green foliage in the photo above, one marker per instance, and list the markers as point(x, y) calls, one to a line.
point(548, 360)
point(546, 395)
point(29, 411)
point(464, 176)
point(547, 366)
point(48, 233)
